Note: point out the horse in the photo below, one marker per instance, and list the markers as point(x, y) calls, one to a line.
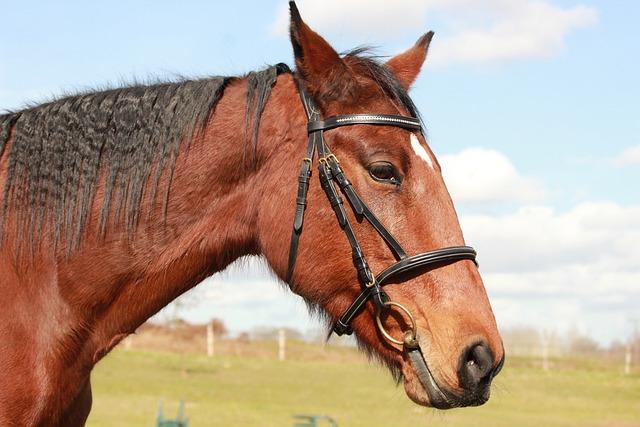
point(116, 202)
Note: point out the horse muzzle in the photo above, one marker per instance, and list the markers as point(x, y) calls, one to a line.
point(476, 370)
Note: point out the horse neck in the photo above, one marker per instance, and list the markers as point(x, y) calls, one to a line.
point(212, 218)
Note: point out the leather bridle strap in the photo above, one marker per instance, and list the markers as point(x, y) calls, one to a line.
point(405, 122)
point(423, 261)
point(327, 182)
point(301, 205)
point(303, 183)
point(331, 173)
point(361, 209)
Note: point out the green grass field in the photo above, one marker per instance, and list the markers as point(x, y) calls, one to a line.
point(261, 391)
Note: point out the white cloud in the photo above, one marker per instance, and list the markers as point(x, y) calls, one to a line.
point(630, 156)
point(472, 30)
point(551, 269)
point(514, 29)
point(600, 237)
point(483, 176)
point(360, 17)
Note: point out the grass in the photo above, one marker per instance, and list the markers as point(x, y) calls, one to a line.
point(261, 391)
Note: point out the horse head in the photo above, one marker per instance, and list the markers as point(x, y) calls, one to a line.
point(432, 323)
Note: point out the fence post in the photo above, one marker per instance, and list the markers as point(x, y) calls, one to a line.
point(210, 340)
point(627, 359)
point(545, 337)
point(282, 343)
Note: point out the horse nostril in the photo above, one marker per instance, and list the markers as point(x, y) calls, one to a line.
point(476, 366)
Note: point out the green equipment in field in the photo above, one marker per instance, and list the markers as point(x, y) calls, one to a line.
point(304, 420)
point(180, 421)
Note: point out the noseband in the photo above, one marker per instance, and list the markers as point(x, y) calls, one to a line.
point(332, 176)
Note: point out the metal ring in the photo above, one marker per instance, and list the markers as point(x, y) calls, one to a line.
point(406, 337)
point(307, 159)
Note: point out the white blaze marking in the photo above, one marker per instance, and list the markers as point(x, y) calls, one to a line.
point(419, 150)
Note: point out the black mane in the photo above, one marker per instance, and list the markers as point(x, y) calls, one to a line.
point(132, 135)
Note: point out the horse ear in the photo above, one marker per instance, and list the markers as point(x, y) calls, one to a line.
point(406, 65)
point(324, 73)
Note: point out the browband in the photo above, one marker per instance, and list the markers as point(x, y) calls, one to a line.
point(405, 122)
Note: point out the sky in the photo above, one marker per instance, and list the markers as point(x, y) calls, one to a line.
point(532, 107)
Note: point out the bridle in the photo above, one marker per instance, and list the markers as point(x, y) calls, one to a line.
point(332, 176)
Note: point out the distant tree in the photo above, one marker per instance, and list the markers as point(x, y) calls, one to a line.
point(521, 340)
point(617, 346)
point(243, 337)
point(271, 333)
point(582, 344)
point(176, 322)
point(262, 333)
point(293, 334)
point(219, 328)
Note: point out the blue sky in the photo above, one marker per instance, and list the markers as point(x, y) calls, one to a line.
point(538, 97)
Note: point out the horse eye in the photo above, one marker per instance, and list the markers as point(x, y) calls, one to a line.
point(384, 172)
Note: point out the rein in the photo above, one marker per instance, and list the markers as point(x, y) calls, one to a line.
point(331, 176)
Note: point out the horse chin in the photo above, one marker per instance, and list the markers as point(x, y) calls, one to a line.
point(421, 387)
